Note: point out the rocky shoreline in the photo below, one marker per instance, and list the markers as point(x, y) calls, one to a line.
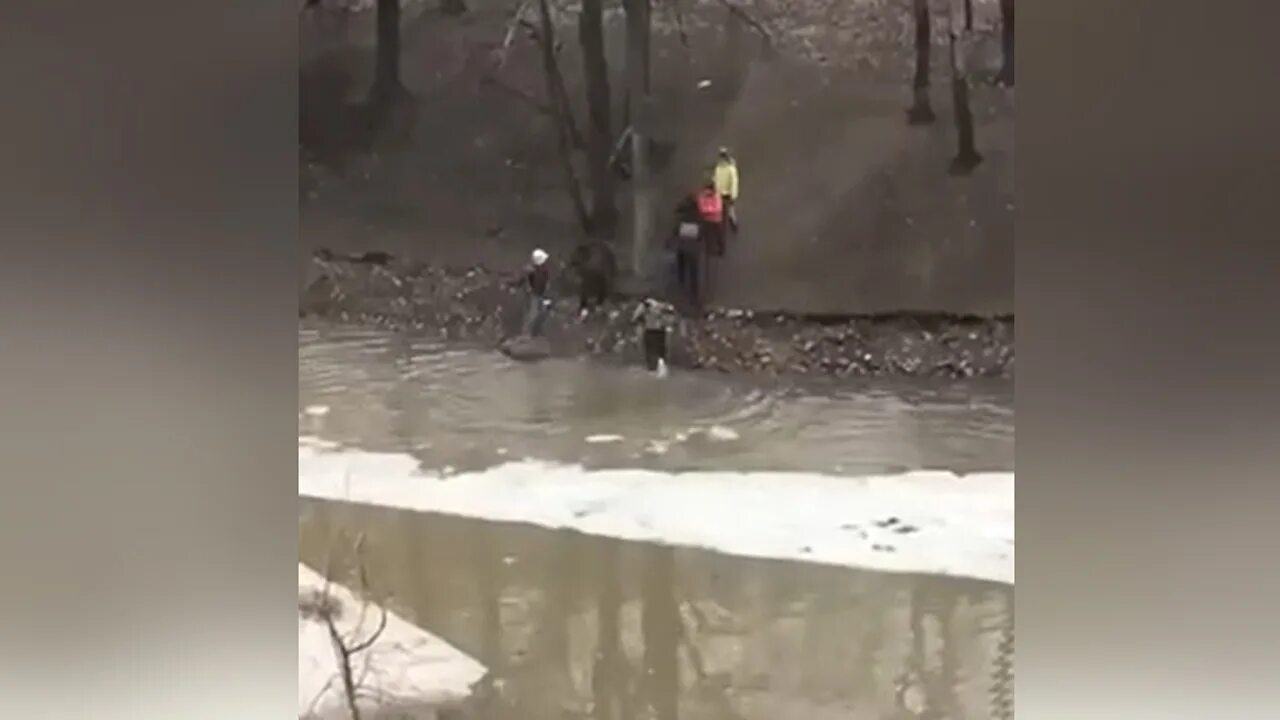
point(482, 306)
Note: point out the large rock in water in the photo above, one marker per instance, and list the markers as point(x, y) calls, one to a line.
point(523, 347)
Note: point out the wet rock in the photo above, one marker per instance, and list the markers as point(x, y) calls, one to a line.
point(526, 348)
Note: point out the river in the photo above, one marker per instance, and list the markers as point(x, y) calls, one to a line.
point(593, 622)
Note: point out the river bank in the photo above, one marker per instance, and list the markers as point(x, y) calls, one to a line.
point(477, 305)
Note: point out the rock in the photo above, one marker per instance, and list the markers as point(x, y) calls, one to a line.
point(523, 347)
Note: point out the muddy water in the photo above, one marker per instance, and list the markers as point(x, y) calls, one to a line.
point(574, 626)
point(473, 409)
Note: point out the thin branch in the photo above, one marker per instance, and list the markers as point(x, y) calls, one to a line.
point(344, 665)
point(364, 595)
point(517, 20)
point(344, 649)
point(678, 14)
point(518, 94)
point(748, 19)
point(382, 625)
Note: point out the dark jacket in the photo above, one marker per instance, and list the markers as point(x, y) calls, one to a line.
point(654, 315)
point(686, 212)
point(538, 279)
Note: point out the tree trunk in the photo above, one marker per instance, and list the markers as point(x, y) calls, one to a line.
point(646, 11)
point(642, 215)
point(967, 157)
point(560, 111)
point(968, 15)
point(604, 210)
point(386, 79)
point(921, 112)
point(1005, 77)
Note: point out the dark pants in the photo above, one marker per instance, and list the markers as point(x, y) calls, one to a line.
point(535, 316)
point(592, 292)
point(655, 347)
point(688, 272)
point(713, 237)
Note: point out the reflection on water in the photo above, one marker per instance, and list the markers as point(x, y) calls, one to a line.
point(473, 409)
point(573, 626)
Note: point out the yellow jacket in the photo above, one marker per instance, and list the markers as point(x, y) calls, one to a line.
point(726, 179)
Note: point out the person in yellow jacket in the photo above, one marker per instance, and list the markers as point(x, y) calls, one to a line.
point(726, 179)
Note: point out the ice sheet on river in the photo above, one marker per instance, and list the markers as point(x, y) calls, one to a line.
point(925, 521)
point(406, 667)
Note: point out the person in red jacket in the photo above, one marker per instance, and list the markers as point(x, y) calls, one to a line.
point(711, 211)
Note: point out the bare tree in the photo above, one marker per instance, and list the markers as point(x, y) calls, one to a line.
point(967, 157)
point(638, 31)
point(562, 112)
point(386, 79)
point(604, 210)
point(1005, 76)
point(921, 111)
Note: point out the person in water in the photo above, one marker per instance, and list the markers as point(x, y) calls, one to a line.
point(538, 283)
point(655, 319)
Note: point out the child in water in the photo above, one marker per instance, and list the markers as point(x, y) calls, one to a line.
point(655, 318)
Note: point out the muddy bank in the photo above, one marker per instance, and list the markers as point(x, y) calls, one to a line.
point(478, 305)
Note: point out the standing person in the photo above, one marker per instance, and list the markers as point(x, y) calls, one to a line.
point(538, 283)
point(688, 238)
point(711, 211)
point(655, 319)
point(726, 177)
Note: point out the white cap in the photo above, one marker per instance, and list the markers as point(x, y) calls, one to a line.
point(539, 256)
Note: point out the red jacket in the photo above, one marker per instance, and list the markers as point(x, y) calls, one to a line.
point(710, 206)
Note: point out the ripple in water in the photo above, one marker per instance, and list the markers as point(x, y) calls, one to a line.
point(474, 408)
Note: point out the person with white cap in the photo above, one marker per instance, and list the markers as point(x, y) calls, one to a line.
point(538, 282)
